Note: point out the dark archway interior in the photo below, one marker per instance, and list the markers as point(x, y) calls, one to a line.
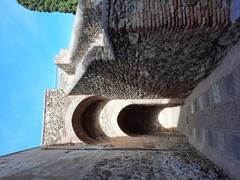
point(85, 120)
point(135, 120)
point(90, 121)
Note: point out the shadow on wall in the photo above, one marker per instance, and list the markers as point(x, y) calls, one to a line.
point(131, 120)
point(135, 119)
point(85, 120)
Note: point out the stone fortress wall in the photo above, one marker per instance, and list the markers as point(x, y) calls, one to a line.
point(141, 82)
point(62, 112)
point(150, 67)
point(209, 117)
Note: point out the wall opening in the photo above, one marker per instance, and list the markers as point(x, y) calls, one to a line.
point(90, 121)
point(85, 120)
point(137, 120)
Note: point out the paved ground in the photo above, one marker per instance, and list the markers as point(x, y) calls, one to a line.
point(169, 165)
point(179, 162)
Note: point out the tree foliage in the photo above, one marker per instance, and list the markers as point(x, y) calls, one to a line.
point(64, 6)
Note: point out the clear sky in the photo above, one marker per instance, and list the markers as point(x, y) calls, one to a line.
point(28, 43)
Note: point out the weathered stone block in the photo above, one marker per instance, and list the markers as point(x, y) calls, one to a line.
point(210, 97)
point(230, 85)
point(216, 94)
point(232, 145)
point(201, 103)
point(220, 141)
point(236, 75)
point(53, 121)
point(235, 139)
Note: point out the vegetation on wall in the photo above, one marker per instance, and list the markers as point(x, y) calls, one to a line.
point(63, 6)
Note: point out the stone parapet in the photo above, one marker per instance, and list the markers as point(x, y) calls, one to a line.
point(86, 32)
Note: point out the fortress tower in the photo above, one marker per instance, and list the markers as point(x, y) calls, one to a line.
point(148, 89)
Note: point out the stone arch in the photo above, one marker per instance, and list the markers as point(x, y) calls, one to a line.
point(82, 119)
point(139, 119)
point(95, 119)
point(110, 112)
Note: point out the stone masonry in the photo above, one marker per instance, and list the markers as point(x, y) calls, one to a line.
point(148, 89)
point(163, 51)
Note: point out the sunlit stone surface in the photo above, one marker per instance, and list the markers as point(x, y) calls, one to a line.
point(144, 87)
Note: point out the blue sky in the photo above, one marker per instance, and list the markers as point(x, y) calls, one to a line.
point(28, 43)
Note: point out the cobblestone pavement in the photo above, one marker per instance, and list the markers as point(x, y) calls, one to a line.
point(180, 161)
point(169, 165)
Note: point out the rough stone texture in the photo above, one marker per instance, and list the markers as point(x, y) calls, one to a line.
point(154, 165)
point(214, 127)
point(148, 49)
point(54, 131)
point(182, 162)
point(160, 48)
point(172, 16)
point(86, 32)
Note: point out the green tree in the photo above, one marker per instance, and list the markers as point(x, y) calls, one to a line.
point(63, 6)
